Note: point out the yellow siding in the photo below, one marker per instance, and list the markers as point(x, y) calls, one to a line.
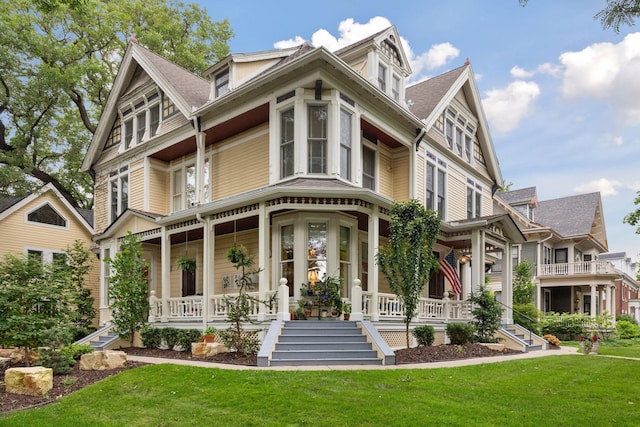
point(18, 235)
point(222, 266)
point(401, 172)
point(456, 196)
point(245, 69)
point(385, 183)
point(136, 187)
point(420, 178)
point(241, 167)
point(159, 190)
point(135, 224)
point(487, 202)
point(360, 66)
point(101, 203)
point(191, 250)
point(383, 283)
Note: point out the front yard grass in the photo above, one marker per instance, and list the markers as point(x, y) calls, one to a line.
point(553, 390)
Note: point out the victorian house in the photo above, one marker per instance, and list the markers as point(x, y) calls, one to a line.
point(297, 154)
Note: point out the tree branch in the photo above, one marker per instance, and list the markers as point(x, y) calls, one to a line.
point(76, 97)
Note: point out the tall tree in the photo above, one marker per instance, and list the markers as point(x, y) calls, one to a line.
point(57, 63)
point(128, 288)
point(615, 14)
point(408, 258)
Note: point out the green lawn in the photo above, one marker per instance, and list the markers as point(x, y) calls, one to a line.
point(554, 390)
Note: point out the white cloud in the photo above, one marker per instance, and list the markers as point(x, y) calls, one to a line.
point(608, 72)
point(605, 186)
point(618, 140)
point(505, 108)
point(350, 31)
point(634, 186)
point(546, 68)
point(283, 44)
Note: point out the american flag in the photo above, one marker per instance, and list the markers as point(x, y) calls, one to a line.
point(448, 268)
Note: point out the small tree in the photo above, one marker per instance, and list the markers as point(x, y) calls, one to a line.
point(523, 287)
point(408, 259)
point(78, 265)
point(128, 288)
point(239, 308)
point(35, 303)
point(487, 314)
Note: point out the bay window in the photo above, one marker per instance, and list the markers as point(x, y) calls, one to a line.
point(345, 144)
point(368, 168)
point(183, 188)
point(286, 143)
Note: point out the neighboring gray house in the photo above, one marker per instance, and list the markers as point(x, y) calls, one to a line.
point(565, 240)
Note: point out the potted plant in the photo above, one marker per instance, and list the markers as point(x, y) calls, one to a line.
point(187, 264)
point(301, 310)
point(209, 334)
point(346, 310)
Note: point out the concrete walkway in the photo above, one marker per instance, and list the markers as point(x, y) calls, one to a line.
point(446, 364)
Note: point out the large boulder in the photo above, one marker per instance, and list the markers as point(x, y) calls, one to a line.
point(202, 350)
point(33, 381)
point(17, 354)
point(102, 360)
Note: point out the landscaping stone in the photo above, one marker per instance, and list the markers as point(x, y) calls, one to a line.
point(101, 360)
point(494, 346)
point(33, 381)
point(17, 355)
point(202, 350)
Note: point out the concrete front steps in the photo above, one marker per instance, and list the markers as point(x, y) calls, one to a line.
point(321, 343)
point(527, 340)
point(100, 339)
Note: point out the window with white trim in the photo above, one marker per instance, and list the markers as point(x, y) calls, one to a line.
point(460, 135)
point(183, 189)
point(47, 215)
point(317, 141)
point(286, 255)
point(435, 185)
point(382, 77)
point(345, 143)
point(474, 199)
point(140, 119)
point(287, 145)
point(118, 192)
point(368, 167)
point(345, 257)
point(222, 83)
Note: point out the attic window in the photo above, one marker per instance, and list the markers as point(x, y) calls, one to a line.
point(222, 83)
point(168, 107)
point(392, 53)
point(47, 215)
point(460, 134)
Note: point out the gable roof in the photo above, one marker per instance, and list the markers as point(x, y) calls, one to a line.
point(431, 97)
point(518, 197)
point(10, 205)
point(571, 216)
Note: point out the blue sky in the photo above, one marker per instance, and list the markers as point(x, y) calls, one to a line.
point(562, 95)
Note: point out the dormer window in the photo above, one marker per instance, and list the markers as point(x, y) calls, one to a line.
point(222, 83)
point(392, 53)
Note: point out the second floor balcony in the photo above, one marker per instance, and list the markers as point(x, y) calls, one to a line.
point(577, 268)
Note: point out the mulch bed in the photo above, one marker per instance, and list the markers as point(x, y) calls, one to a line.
point(61, 386)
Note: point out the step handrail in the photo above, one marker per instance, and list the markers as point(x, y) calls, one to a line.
point(523, 315)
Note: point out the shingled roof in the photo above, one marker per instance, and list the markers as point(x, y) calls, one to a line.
point(518, 197)
point(569, 216)
point(424, 96)
point(194, 89)
point(7, 202)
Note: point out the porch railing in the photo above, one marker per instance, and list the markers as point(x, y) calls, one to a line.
point(193, 306)
point(581, 267)
point(390, 306)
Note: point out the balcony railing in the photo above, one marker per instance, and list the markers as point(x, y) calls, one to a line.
point(575, 268)
point(390, 306)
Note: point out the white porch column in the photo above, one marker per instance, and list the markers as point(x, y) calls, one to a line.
point(466, 280)
point(207, 266)
point(594, 301)
point(165, 256)
point(373, 242)
point(507, 285)
point(477, 261)
point(200, 160)
point(263, 262)
point(614, 300)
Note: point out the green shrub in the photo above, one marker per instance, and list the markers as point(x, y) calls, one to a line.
point(188, 336)
point(460, 333)
point(627, 317)
point(567, 327)
point(170, 337)
point(526, 315)
point(77, 350)
point(627, 330)
point(56, 359)
point(424, 334)
point(151, 337)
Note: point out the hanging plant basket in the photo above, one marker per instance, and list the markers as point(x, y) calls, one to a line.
point(186, 264)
